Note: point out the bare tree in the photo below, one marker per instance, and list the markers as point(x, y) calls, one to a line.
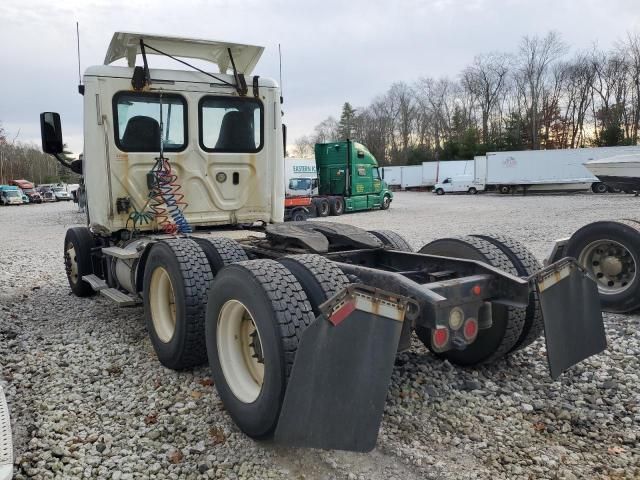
point(485, 80)
point(304, 147)
point(536, 55)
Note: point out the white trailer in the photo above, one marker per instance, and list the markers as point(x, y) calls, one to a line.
point(301, 176)
point(405, 177)
point(426, 175)
point(545, 170)
point(453, 168)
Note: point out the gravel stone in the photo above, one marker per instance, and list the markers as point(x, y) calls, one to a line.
point(89, 399)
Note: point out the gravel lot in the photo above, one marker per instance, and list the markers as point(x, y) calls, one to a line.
point(89, 400)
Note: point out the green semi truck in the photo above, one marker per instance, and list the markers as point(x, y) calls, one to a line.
point(348, 179)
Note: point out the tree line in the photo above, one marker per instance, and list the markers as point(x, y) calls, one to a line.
point(538, 97)
point(20, 160)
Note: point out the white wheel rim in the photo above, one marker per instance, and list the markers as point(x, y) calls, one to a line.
point(163, 305)
point(611, 263)
point(72, 258)
point(240, 357)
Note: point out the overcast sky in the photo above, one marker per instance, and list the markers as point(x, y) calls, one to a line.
point(333, 51)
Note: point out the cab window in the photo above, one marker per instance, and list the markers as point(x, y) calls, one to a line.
point(137, 122)
point(447, 180)
point(362, 171)
point(231, 124)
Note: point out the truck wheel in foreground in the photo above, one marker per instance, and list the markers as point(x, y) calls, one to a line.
point(472, 191)
point(256, 314)
point(322, 207)
point(320, 279)
point(176, 281)
point(496, 341)
point(610, 252)
point(78, 243)
point(599, 187)
point(386, 202)
point(526, 264)
point(392, 239)
point(439, 191)
point(336, 205)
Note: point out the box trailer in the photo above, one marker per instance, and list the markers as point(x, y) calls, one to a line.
point(301, 176)
point(545, 170)
point(453, 168)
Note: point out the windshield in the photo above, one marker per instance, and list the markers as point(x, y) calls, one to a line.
point(11, 193)
point(58, 189)
point(300, 184)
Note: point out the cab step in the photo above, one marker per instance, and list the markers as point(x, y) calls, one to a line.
point(96, 282)
point(121, 298)
point(6, 441)
point(121, 253)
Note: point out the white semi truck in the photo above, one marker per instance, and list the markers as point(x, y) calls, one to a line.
point(297, 314)
point(544, 170)
point(301, 176)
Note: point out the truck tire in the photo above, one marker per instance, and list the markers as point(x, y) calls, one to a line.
point(392, 239)
point(492, 343)
point(177, 277)
point(255, 301)
point(472, 191)
point(526, 264)
point(386, 202)
point(599, 187)
point(299, 215)
point(336, 205)
point(610, 252)
point(220, 252)
point(322, 207)
point(504, 189)
point(320, 278)
point(439, 191)
point(78, 243)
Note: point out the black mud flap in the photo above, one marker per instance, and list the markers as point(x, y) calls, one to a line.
point(337, 389)
point(573, 324)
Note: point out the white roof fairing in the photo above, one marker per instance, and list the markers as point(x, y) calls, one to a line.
point(127, 45)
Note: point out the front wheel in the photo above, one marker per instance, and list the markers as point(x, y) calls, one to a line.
point(386, 202)
point(472, 191)
point(256, 314)
point(78, 243)
point(610, 252)
point(439, 191)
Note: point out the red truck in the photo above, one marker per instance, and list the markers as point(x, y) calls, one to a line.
point(29, 190)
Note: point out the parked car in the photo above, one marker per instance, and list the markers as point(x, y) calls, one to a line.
point(10, 195)
point(46, 193)
point(29, 190)
point(61, 193)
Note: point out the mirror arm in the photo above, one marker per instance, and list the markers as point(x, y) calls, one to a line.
point(62, 161)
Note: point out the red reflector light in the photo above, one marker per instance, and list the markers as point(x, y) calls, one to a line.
point(440, 337)
point(470, 328)
point(476, 290)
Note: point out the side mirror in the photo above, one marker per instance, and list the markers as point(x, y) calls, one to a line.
point(51, 133)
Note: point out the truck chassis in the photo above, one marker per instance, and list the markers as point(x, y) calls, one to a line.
point(295, 317)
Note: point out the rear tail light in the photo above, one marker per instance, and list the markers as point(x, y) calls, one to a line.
point(470, 329)
point(440, 338)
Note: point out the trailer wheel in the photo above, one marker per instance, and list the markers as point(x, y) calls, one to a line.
point(610, 252)
point(492, 343)
point(320, 279)
point(526, 264)
point(78, 243)
point(392, 239)
point(472, 191)
point(336, 205)
point(299, 215)
point(220, 252)
point(599, 187)
point(439, 191)
point(322, 206)
point(504, 189)
point(386, 202)
point(176, 281)
point(256, 314)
